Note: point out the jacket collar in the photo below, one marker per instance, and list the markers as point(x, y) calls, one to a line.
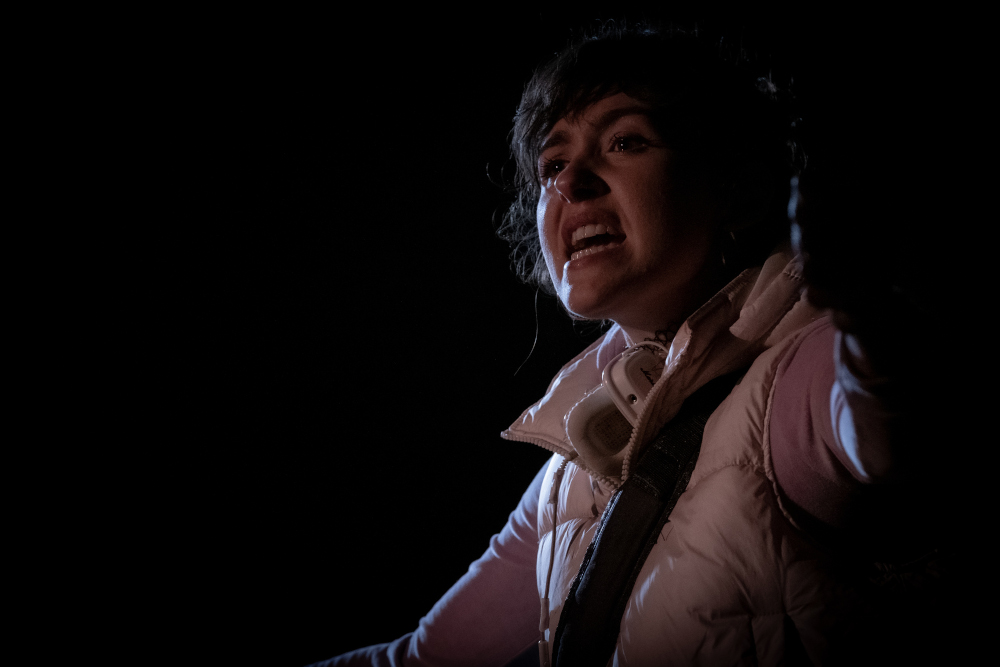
point(746, 317)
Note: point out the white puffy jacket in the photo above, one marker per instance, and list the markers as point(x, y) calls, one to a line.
point(731, 580)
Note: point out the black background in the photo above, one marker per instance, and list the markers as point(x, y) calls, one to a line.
point(336, 339)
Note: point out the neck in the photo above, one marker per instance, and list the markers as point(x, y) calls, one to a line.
point(634, 336)
point(661, 315)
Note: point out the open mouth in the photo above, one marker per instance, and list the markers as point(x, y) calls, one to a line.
point(592, 239)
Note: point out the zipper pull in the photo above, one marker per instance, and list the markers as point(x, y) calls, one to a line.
point(543, 653)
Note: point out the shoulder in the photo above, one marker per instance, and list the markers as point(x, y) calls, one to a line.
point(736, 433)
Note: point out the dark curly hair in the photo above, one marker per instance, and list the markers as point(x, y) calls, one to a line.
point(724, 121)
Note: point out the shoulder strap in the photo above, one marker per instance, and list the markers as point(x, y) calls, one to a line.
point(589, 623)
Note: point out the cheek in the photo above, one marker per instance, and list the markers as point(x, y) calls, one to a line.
point(540, 215)
point(673, 213)
point(545, 231)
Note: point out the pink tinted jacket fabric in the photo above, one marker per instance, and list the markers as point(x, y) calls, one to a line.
point(817, 459)
point(491, 614)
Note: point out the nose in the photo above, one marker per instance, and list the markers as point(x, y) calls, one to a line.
point(578, 182)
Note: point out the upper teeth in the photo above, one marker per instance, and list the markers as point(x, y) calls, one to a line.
point(587, 231)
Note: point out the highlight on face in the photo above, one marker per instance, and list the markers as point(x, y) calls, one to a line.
point(711, 110)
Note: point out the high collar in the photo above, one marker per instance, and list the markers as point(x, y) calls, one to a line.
point(747, 316)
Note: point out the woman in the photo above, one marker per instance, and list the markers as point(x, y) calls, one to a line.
point(655, 177)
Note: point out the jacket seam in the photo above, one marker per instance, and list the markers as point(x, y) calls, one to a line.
point(756, 469)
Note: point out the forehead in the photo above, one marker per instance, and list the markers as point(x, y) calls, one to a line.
point(596, 117)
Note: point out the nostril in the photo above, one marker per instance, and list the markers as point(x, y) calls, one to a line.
point(589, 187)
point(578, 184)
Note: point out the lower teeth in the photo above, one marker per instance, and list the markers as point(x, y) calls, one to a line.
point(590, 251)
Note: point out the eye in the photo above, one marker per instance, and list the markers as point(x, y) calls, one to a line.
point(548, 167)
point(628, 142)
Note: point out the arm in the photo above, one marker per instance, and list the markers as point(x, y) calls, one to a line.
point(489, 615)
point(832, 433)
point(851, 410)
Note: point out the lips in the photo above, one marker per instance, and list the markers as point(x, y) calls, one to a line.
point(588, 237)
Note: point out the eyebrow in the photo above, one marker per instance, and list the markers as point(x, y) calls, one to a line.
point(554, 139)
point(607, 118)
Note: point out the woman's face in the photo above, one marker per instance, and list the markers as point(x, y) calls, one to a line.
point(625, 234)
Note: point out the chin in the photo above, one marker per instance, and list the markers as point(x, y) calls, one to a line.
point(589, 308)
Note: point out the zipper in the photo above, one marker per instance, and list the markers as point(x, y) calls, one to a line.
point(543, 622)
